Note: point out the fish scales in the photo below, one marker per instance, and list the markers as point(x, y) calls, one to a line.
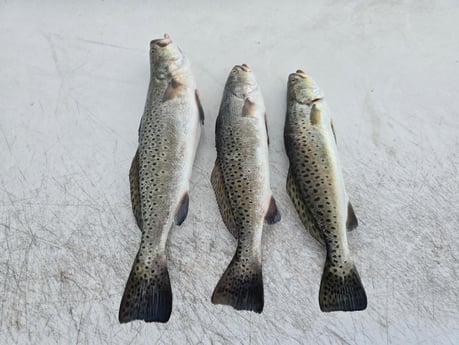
point(169, 133)
point(241, 183)
point(316, 185)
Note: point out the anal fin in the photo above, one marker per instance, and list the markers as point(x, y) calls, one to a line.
point(272, 215)
point(301, 208)
point(351, 222)
point(182, 209)
point(222, 199)
point(135, 189)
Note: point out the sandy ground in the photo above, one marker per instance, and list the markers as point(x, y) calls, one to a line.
point(73, 81)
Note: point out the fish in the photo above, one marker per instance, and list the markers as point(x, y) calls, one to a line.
point(159, 176)
point(315, 184)
point(241, 182)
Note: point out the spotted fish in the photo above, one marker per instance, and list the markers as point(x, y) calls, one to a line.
point(240, 179)
point(169, 134)
point(316, 186)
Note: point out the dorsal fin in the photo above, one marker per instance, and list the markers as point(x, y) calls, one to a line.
point(135, 189)
point(218, 184)
point(306, 217)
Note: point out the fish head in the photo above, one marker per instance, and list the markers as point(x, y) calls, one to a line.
point(302, 88)
point(166, 58)
point(241, 81)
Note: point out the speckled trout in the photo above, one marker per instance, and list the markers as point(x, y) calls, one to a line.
point(240, 179)
point(169, 134)
point(316, 186)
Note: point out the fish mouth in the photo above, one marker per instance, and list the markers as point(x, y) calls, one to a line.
point(241, 81)
point(301, 73)
point(303, 89)
point(162, 42)
point(245, 67)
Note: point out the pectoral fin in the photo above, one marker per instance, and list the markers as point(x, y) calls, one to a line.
point(135, 190)
point(173, 89)
point(182, 209)
point(315, 116)
point(222, 199)
point(249, 107)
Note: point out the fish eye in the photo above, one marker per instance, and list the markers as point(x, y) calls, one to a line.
point(234, 71)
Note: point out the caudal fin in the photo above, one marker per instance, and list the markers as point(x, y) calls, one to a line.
point(241, 286)
point(341, 289)
point(148, 294)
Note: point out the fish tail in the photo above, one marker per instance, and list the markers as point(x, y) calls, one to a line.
point(148, 294)
point(241, 286)
point(341, 289)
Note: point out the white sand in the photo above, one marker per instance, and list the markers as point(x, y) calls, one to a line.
point(73, 80)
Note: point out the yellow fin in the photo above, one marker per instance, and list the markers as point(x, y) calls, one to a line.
point(173, 89)
point(249, 107)
point(315, 115)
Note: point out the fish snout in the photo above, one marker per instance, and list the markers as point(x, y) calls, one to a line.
point(301, 73)
point(162, 42)
point(245, 67)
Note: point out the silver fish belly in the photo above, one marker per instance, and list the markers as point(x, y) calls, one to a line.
point(240, 179)
point(169, 134)
point(316, 186)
